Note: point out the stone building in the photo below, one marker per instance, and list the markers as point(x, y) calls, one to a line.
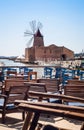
point(39, 52)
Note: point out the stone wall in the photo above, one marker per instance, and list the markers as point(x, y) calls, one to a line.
point(49, 53)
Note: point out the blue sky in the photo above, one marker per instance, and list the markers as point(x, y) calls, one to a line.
point(62, 20)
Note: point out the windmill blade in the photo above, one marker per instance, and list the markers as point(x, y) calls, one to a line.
point(29, 42)
point(28, 33)
point(33, 26)
point(39, 25)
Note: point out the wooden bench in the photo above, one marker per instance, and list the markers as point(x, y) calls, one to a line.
point(52, 85)
point(76, 82)
point(11, 74)
point(35, 87)
point(74, 90)
point(7, 106)
point(12, 82)
point(56, 96)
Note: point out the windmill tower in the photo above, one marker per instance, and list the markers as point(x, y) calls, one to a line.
point(35, 35)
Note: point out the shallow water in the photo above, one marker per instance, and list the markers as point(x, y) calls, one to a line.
point(11, 63)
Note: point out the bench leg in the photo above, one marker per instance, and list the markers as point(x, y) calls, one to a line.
point(34, 121)
point(27, 121)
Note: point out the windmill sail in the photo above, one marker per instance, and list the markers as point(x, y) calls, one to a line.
point(35, 34)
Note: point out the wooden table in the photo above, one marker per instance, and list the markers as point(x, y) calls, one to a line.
point(35, 109)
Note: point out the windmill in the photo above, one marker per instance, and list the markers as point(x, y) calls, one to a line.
point(32, 34)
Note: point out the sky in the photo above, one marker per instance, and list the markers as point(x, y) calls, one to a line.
point(62, 20)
